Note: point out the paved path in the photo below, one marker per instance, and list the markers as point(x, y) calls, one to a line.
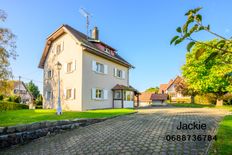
point(141, 133)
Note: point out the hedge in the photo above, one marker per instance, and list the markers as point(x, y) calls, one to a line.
point(5, 105)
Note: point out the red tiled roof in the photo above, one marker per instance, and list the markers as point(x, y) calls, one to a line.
point(145, 96)
point(159, 97)
point(162, 87)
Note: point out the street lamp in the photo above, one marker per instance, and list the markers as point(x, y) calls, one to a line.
point(59, 109)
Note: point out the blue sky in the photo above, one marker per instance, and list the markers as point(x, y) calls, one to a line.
point(139, 30)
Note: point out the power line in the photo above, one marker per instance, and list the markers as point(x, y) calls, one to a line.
point(26, 78)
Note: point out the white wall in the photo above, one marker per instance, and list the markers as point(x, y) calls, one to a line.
point(72, 51)
point(144, 104)
point(117, 104)
point(158, 103)
point(92, 79)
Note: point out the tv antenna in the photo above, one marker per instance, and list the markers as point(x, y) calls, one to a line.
point(86, 14)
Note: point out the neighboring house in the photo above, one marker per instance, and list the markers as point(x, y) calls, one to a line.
point(149, 98)
point(170, 89)
point(21, 90)
point(144, 99)
point(159, 99)
point(93, 75)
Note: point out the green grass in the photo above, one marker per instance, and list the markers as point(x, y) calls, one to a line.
point(223, 145)
point(189, 105)
point(15, 117)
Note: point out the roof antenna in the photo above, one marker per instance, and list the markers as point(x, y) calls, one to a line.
point(84, 13)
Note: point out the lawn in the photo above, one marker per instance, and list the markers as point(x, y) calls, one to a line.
point(189, 105)
point(223, 145)
point(15, 117)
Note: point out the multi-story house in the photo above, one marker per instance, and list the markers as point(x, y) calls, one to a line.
point(171, 90)
point(93, 75)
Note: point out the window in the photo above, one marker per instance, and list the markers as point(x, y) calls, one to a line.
point(99, 93)
point(119, 73)
point(68, 93)
point(118, 94)
point(128, 96)
point(48, 95)
point(58, 49)
point(100, 67)
point(49, 73)
point(107, 50)
point(69, 67)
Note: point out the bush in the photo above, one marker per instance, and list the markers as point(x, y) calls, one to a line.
point(13, 98)
point(181, 100)
point(5, 105)
point(205, 99)
point(1, 97)
point(17, 99)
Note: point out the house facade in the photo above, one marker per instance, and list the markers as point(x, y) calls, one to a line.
point(90, 71)
point(21, 90)
point(170, 89)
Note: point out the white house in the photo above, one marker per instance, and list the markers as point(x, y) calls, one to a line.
point(93, 75)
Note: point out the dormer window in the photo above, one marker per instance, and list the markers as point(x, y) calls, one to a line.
point(107, 50)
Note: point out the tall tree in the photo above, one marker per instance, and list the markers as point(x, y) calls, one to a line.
point(7, 49)
point(33, 89)
point(209, 75)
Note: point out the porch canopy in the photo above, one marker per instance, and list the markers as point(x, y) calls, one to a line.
point(123, 95)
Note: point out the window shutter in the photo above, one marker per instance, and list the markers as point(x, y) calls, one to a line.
point(66, 67)
point(115, 71)
point(52, 72)
point(105, 69)
point(73, 65)
point(93, 93)
point(64, 93)
point(123, 74)
point(105, 92)
point(73, 93)
point(62, 48)
point(94, 65)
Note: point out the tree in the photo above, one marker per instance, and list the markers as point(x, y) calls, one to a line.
point(183, 87)
point(6, 87)
point(7, 49)
point(206, 75)
point(193, 25)
point(33, 89)
point(152, 89)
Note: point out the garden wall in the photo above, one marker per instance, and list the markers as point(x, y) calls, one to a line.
point(21, 134)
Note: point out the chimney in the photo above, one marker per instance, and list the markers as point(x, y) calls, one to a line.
point(95, 33)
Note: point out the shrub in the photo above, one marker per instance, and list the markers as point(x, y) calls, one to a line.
point(6, 105)
point(17, 99)
point(1, 97)
point(205, 99)
point(181, 100)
